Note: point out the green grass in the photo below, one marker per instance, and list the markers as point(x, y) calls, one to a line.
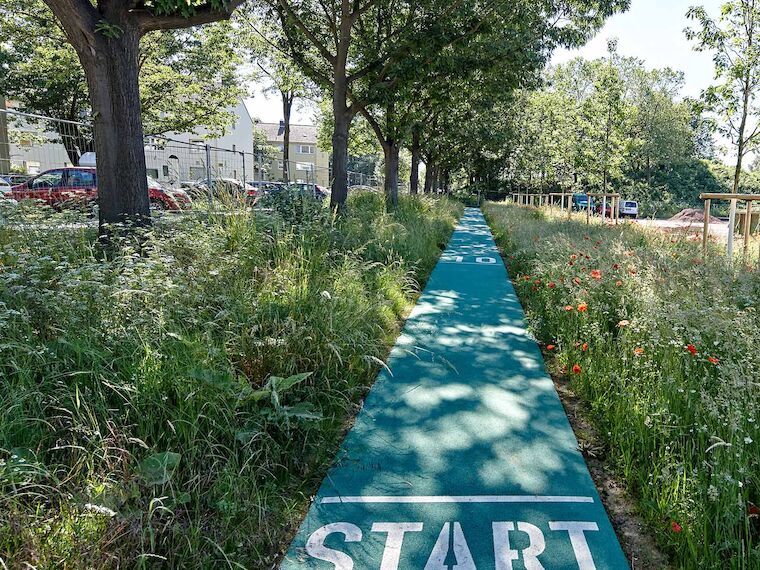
point(178, 409)
point(681, 429)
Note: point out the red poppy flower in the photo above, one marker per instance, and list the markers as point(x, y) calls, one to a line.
point(692, 349)
point(573, 257)
point(568, 308)
point(577, 280)
point(537, 282)
point(596, 274)
point(552, 285)
point(550, 347)
point(615, 266)
point(576, 369)
point(618, 283)
point(570, 263)
point(582, 308)
point(752, 509)
point(638, 351)
point(675, 527)
point(713, 360)
point(584, 347)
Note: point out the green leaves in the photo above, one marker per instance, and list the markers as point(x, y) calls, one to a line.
point(277, 386)
point(157, 469)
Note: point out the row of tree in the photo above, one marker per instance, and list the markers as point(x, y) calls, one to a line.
point(416, 71)
point(612, 123)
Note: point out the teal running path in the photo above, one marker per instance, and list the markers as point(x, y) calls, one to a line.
point(462, 457)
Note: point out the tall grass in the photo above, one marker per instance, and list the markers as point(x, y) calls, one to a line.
point(178, 408)
point(663, 348)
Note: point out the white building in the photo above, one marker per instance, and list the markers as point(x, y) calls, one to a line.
point(182, 156)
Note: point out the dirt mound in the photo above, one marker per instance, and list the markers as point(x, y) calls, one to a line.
point(692, 215)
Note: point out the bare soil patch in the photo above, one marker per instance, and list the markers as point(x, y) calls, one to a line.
point(693, 215)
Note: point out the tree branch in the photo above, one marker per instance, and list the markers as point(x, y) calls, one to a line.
point(205, 15)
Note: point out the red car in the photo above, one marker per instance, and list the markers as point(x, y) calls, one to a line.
point(79, 186)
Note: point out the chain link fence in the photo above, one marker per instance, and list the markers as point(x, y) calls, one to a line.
point(34, 144)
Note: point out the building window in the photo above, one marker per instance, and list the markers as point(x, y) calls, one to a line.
point(152, 172)
point(166, 169)
point(306, 149)
point(197, 145)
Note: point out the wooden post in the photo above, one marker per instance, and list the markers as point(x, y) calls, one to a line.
point(616, 210)
point(731, 224)
point(706, 228)
point(747, 224)
point(604, 210)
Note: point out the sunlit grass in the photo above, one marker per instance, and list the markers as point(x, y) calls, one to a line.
point(663, 348)
point(142, 423)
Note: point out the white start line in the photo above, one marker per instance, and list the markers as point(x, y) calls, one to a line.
point(419, 499)
point(451, 537)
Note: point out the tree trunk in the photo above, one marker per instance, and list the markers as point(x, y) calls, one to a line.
point(414, 177)
point(391, 151)
point(343, 116)
point(742, 141)
point(436, 173)
point(5, 147)
point(287, 106)
point(428, 176)
point(112, 76)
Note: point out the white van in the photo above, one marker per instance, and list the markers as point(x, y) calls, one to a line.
point(629, 209)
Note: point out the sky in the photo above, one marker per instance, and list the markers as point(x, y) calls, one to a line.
point(651, 30)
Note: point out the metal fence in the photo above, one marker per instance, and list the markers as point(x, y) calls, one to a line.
point(31, 144)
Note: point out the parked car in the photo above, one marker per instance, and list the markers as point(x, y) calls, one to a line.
point(5, 192)
point(16, 179)
point(629, 209)
point(581, 201)
point(161, 197)
point(78, 186)
point(362, 188)
point(220, 188)
point(607, 208)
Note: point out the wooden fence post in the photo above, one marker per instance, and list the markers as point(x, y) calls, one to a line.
point(747, 225)
point(706, 228)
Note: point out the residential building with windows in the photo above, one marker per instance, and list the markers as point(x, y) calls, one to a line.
point(307, 162)
point(182, 156)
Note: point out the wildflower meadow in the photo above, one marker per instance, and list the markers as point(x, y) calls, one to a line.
point(662, 346)
point(178, 406)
